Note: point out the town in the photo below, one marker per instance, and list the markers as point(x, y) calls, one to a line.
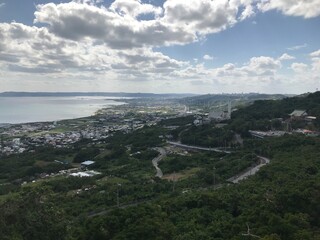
point(19, 138)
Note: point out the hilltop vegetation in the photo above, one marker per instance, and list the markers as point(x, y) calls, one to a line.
point(259, 114)
point(262, 115)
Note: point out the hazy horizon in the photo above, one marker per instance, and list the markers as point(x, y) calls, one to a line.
point(162, 93)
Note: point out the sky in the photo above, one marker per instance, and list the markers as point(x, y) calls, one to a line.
point(160, 46)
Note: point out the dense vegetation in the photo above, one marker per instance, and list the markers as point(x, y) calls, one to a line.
point(207, 135)
point(260, 114)
point(279, 202)
point(126, 201)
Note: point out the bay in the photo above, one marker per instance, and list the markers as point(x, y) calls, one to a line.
point(40, 109)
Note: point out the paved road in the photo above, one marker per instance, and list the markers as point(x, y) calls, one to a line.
point(250, 171)
point(157, 159)
point(103, 212)
point(196, 147)
point(235, 179)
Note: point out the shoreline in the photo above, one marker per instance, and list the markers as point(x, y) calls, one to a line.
point(96, 111)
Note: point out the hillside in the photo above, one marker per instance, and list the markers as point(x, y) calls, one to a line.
point(194, 199)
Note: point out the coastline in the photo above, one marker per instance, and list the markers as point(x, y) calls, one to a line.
point(80, 108)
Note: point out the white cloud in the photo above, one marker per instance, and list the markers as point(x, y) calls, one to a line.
point(285, 57)
point(315, 54)
point(207, 57)
point(89, 2)
point(135, 8)
point(83, 41)
point(176, 23)
point(297, 47)
point(202, 17)
point(299, 67)
point(248, 12)
point(36, 50)
point(2, 5)
point(121, 31)
point(306, 9)
point(316, 65)
point(255, 75)
point(262, 66)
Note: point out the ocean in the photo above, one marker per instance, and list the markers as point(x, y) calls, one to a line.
point(40, 109)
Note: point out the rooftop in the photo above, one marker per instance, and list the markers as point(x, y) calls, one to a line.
point(298, 113)
point(87, 163)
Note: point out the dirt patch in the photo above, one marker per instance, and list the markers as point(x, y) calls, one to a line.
point(173, 176)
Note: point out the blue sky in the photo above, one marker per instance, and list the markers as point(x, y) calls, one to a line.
point(198, 46)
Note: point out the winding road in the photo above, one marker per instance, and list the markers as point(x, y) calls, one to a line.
point(157, 159)
point(251, 171)
point(235, 179)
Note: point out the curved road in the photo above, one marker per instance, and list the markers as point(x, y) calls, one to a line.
point(250, 171)
point(162, 151)
point(237, 178)
point(157, 159)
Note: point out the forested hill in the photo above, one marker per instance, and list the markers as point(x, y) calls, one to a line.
point(269, 109)
point(266, 114)
point(281, 202)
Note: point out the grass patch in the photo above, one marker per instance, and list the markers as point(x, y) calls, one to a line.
point(112, 180)
point(103, 154)
point(182, 174)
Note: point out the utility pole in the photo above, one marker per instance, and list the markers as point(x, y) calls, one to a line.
point(214, 177)
point(174, 181)
point(118, 203)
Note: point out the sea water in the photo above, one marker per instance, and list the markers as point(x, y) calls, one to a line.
point(41, 109)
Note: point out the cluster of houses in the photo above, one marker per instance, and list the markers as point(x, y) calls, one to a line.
point(58, 140)
point(13, 146)
point(85, 170)
point(213, 116)
point(41, 134)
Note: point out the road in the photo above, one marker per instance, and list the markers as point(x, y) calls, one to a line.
point(235, 179)
point(251, 171)
point(157, 159)
point(196, 147)
point(103, 212)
